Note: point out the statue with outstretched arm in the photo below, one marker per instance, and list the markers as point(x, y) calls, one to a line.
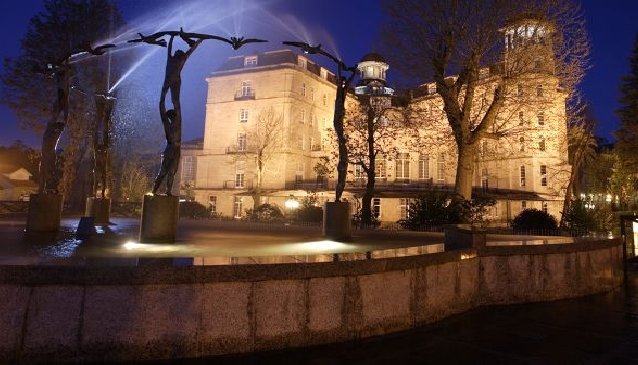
point(172, 119)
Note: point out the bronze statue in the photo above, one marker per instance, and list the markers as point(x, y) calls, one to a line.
point(172, 119)
point(51, 161)
point(101, 141)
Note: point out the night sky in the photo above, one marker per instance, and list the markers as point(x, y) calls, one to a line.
point(345, 28)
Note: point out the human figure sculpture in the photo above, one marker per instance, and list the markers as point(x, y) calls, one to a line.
point(343, 84)
point(101, 141)
point(172, 119)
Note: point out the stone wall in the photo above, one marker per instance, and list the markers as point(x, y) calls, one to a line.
point(102, 313)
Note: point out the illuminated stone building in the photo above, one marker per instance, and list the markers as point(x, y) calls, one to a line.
point(527, 167)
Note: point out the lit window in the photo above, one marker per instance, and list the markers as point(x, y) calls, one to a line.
point(243, 115)
point(311, 119)
point(312, 94)
point(539, 91)
point(302, 116)
point(521, 147)
point(522, 172)
point(358, 172)
point(324, 99)
point(543, 172)
point(300, 141)
point(299, 172)
point(541, 143)
point(303, 89)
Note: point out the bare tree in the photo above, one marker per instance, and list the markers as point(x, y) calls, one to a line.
point(261, 142)
point(454, 42)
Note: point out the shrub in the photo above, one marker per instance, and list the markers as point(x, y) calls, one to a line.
point(193, 210)
point(534, 219)
point(579, 218)
point(309, 214)
point(433, 209)
point(265, 213)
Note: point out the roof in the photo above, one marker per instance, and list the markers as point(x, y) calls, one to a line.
point(375, 57)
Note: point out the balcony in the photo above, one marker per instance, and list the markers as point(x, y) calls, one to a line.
point(308, 184)
point(236, 149)
point(233, 184)
point(245, 95)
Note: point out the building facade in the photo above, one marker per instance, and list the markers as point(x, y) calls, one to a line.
point(268, 132)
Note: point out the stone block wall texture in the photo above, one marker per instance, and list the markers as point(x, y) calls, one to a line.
point(70, 314)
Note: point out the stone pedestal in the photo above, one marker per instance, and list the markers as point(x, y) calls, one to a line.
point(336, 220)
point(45, 212)
point(160, 214)
point(100, 208)
point(464, 236)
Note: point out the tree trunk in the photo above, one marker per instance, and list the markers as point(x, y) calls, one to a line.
point(366, 201)
point(465, 172)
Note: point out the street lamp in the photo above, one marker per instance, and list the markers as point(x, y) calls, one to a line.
point(291, 204)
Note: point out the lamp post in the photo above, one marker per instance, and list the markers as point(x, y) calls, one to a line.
point(291, 205)
point(336, 221)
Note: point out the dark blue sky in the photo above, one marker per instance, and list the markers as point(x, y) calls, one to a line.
point(347, 28)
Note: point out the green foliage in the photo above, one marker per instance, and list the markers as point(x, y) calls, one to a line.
point(309, 211)
point(193, 210)
point(578, 217)
point(627, 135)
point(477, 208)
point(434, 209)
point(534, 219)
point(265, 213)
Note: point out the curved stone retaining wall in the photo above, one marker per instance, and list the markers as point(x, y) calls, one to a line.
point(59, 313)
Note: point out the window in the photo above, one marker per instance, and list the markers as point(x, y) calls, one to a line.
point(521, 146)
point(237, 206)
point(187, 169)
point(311, 119)
point(324, 99)
point(250, 61)
point(324, 74)
point(358, 172)
point(303, 89)
point(302, 116)
point(537, 64)
point(402, 167)
point(424, 166)
point(312, 94)
point(539, 91)
point(212, 203)
point(301, 62)
point(541, 143)
point(521, 118)
point(545, 206)
point(520, 90)
point(404, 207)
point(240, 167)
point(376, 207)
point(300, 141)
point(543, 172)
point(241, 141)
point(440, 168)
point(523, 204)
point(541, 117)
point(522, 171)
point(243, 115)
point(247, 88)
point(325, 122)
point(484, 179)
point(380, 166)
point(299, 172)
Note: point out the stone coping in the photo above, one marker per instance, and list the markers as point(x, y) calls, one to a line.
point(142, 271)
